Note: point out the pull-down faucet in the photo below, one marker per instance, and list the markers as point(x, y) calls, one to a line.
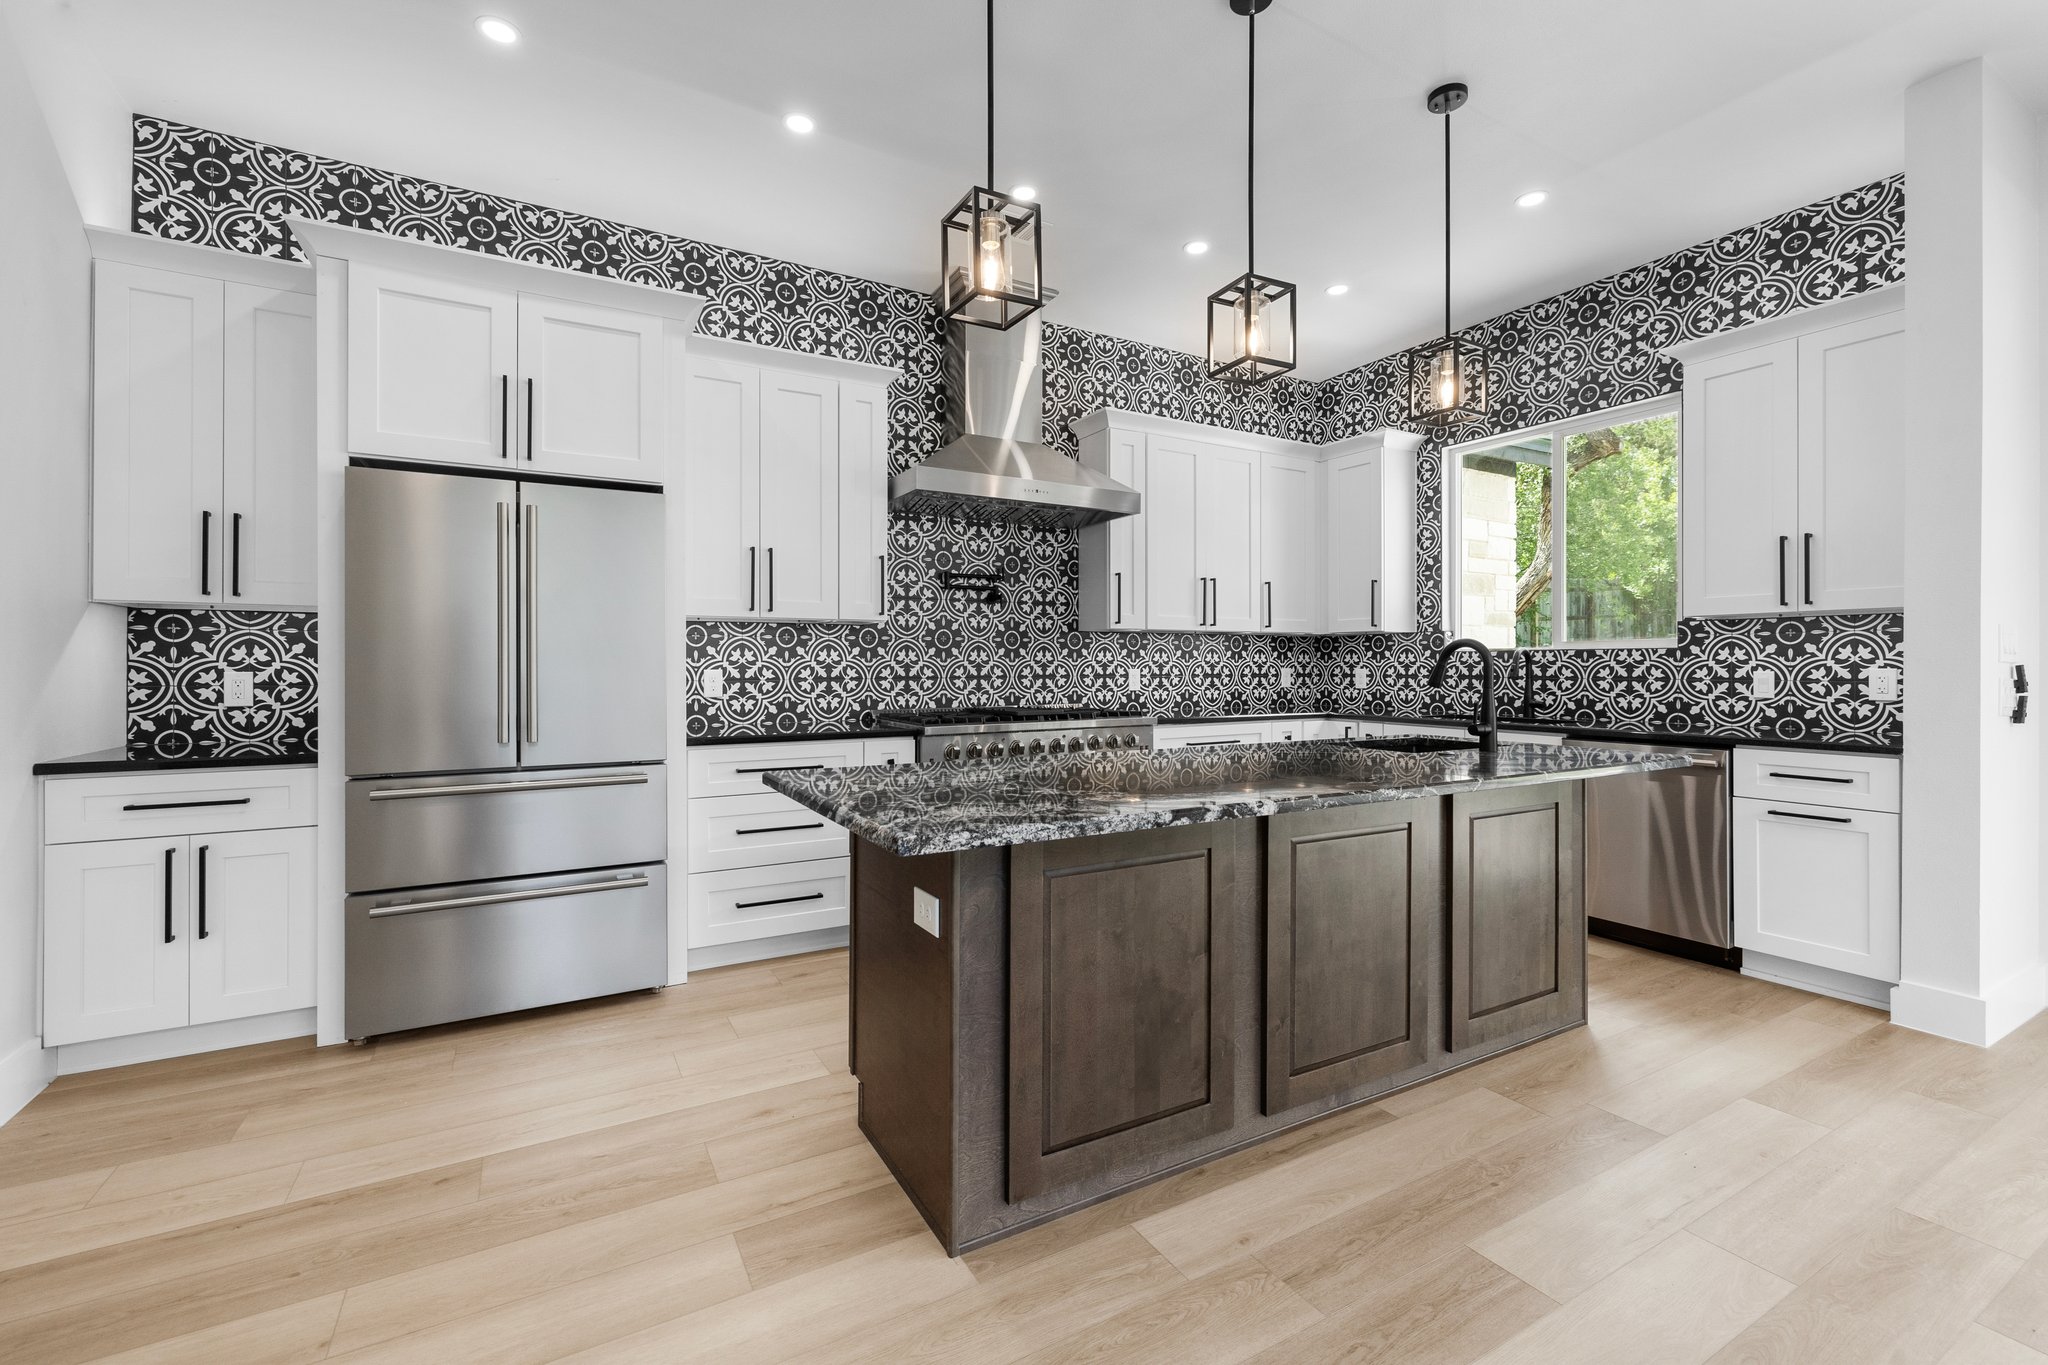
point(1487, 726)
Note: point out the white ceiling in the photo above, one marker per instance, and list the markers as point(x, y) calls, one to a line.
point(1653, 124)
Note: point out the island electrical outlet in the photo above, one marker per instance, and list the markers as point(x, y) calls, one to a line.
point(924, 908)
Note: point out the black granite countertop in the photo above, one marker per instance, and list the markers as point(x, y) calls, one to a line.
point(945, 807)
point(1557, 727)
point(119, 760)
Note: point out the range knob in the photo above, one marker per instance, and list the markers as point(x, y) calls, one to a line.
point(1056, 745)
point(995, 751)
point(952, 751)
point(973, 751)
point(1095, 741)
point(1037, 747)
point(1016, 747)
point(1130, 741)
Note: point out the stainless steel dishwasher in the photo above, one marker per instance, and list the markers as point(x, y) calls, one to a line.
point(1657, 855)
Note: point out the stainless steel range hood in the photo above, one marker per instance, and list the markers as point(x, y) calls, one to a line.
point(993, 468)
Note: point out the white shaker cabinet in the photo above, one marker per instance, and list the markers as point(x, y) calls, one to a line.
point(721, 407)
point(1227, 536)
point(252, 923)
point(1112, 557)
point(799, 496)
point(431, 364)
point(267, 456)
point(590, 386)
point(1793, 463)
point(1290, 543)
point(863, 502)
point(1369, 531)
point(116, 944)
point(1176, 590)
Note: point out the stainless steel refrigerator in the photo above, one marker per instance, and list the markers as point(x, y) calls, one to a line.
point(506, 722)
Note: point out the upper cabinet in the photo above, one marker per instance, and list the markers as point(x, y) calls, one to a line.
point(1249, 534)
point(785, 462)
point(1794, 462)
point(202, 432)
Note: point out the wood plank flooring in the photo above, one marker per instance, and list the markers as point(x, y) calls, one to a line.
point(1716, 1169)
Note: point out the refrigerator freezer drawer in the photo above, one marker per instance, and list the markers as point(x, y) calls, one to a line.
point(441, 954)
point(424, 831)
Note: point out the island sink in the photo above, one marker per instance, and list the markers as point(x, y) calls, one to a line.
point(1144, 961)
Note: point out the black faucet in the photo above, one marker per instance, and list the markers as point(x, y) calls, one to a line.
point(1487, 726)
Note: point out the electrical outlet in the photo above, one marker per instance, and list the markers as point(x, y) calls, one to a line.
point(1763, 684)
point(924, 909)
point(1358, 676)
point(238, 688)
point(1134, 678)
point(1286, 676)
point(711, 682)
point(1883, 684)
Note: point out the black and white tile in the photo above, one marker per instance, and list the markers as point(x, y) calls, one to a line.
point(1586, 349)
point(176, 696)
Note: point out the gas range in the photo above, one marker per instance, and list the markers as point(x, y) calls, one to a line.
point(985, 732)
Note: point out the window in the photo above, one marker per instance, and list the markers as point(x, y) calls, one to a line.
point(1590, 558)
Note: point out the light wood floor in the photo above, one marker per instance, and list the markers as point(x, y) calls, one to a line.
point(1716, 1169)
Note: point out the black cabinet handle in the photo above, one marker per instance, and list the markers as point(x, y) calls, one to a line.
point(1802, 815)
point(782, 768)
point(206, 554)
point(202, 890)
point(1269, 604)
point(1209, 743)
point(504, 416)
point(1806, 568)
point(1375, 603)
point(753, 577)
point(1119, 599)
point(771, 578)
point(169, 855)
point(1807, 777)
point(779, 900)
point(235, 581)
point(529, 418)
point(186, 805)
point(882, 584)
point(781, 829)
point(1784, 600)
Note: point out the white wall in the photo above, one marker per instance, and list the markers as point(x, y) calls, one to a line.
point(1972, 930)
point(60, 659)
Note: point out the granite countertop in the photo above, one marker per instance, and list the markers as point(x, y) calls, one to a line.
point(945, 807)
point(120, 760)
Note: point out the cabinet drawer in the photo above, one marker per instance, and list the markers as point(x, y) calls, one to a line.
point(1819, 885)
point(764, 902)
point(736, 769)
point(752, 831)
point(150, 805)
point(1207, 736)
point(880, 752)
point(1852, 781)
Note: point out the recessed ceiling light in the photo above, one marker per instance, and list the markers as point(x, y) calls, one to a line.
point(1195, 248)
point(497, 30)
point(1531, 199)
point(799, 123)
point(1337, 289)
point(1026, 192)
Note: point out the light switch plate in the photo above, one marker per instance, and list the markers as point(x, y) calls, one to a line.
point(711, 682)
point(1286, 676)
point(924, 909)
point(1763, 683)
point(1883, 684)
point(1134, 678)
point(237, 687)
point(1358, 676)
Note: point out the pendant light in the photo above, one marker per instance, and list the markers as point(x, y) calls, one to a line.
point(1251, 319)
point(990, 257)
point(1447, 381)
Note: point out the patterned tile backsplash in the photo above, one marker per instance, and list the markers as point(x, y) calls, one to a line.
point(1577, 352)
point(177, 661)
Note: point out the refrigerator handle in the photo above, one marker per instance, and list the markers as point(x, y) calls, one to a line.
point(529, 682)
point(505, 628)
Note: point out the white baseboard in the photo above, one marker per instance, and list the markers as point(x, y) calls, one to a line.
point(766, 949)
point(102, 1053)
point(23, 1074)
point(1857, 990)
point(1980, 1019)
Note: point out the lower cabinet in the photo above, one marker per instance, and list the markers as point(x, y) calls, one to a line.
point(1123, 989)
point(1517, 915)
point(148, 934)
point(1819, 885)
point(1351, 946)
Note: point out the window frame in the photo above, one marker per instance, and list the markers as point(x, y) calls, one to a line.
point(1559, 432)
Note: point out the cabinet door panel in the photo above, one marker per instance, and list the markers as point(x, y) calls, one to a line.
point(1352, 527)
point(252, 924)
point(1818, 884)
point(799, 496)
point(721, 413)
point(1174, 596)
point(1112, 564)
point(1351, 899)
point(1852, 469)
point(267, 449)
point(115, 938)
point(1288, 544)
point(1518, 917)
point(863, 501)
point(1122, 972)
point(430, 367)
point(590, 390)
point(1227, 536)
point(156, 436)
point(1741, 483)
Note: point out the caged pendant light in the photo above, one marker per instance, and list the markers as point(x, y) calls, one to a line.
point(1447, 380)
point(1251, 319)
point(990, 256)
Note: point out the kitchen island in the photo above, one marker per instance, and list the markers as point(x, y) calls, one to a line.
point(1072, 976)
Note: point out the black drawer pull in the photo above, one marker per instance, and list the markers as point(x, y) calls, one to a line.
point(1802, 815)
point(1806, 777)
point(782, 768)
point(779, 900)
point(202, 889)
point(169, 855)
point(185, 805)
point(1210, 743)
point(781, 829)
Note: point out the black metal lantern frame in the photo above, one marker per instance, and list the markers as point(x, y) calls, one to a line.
point(1447, 379)
point(965, 293)
point(1255, 349)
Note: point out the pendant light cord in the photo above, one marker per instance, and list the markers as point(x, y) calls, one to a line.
point(1447, 225)
point(1251, 116)
point(991, 94)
